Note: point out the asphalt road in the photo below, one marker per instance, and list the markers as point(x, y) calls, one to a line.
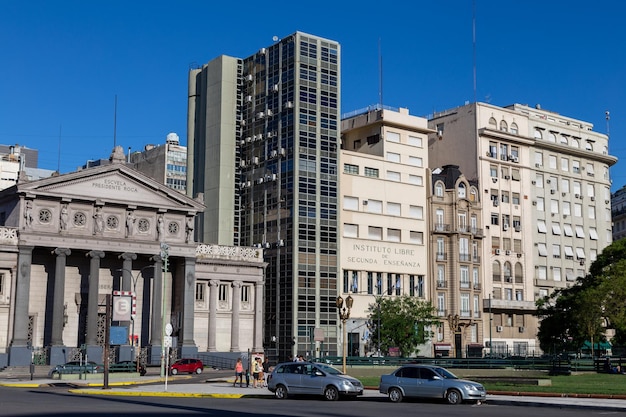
point(57, 401)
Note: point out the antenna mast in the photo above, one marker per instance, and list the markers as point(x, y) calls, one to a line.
point(474, 44)
point(608, 123)
point(380, 73)
point(115, 123)
point(59, 151)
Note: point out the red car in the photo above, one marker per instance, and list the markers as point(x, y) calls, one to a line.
point(189, 366)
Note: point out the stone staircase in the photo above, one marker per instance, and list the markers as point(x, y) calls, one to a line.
point(23, 372)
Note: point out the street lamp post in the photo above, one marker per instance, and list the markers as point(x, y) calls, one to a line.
point(344, 315)
point(164, 255)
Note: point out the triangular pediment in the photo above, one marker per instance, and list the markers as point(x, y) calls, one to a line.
point(111, 184)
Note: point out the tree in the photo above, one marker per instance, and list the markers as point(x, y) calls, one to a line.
point(403, 323)
point(571, 316)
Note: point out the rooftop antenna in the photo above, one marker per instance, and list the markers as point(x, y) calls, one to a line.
point(380, 74)
point(59, 151)
point(474, 45)
point(115, 124)
point(607, 115)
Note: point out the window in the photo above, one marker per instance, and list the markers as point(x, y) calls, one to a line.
point(350, 230)
point(393, 235)
point(416, 179)
point(370, 282)
point(551, 137)
point(541, 248)
point(493, 171)
point(540, 204)
point(556, 229)
point(223, 292)
point(575, 167)
point(539, 180)
point(393, 176)
point(564, 140)
point(569, 252)
point(515, 198)
point(593, 233)
point(590, 172)
point(565, 185)
point(441, 249)
point(462, 191)
point(415, 141)
point(556, 251)
point(465, 305)
point(392, 137)
point(578, 210)
point(416, 237)
point(515, 174)
point(554, 206)
point(538, 134)
point(439, 189)
point(200, 290)
point(592, 212)
point(556, 273)
point(374, 206)
point(538, 159)
point(439, 219)
point(393, 157)
point(350, 203)
point(564, 164)
point(350, 169)
point(567, 230)
point(375, 233)
point(580, 232)
point(503, 126)
point(416, 212)
point(245, 293)
point(552, 161)
point(541, 226)
point(465, 281)
point(514, 129)
point(393, 209)
point(542, 273)
point(371, 172)
point(416, 161)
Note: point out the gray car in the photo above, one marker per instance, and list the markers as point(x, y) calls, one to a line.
point(429, 382)
point(291, 378)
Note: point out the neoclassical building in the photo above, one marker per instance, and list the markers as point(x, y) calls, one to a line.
point(68, 241)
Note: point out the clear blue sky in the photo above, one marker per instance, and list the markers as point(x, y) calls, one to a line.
point(63, 62)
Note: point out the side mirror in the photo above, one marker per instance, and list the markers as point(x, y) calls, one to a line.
point(436, 377)
point(318, 373)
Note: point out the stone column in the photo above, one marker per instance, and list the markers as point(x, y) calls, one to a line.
point(127, 270)
point(58, 353)
point(234, 323)
point(188, 303)
point(19, 352)
point(214, 286)
point(258, 317)
point(93, 350)
point(156, 323)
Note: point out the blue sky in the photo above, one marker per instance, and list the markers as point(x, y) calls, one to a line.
point(63, 62)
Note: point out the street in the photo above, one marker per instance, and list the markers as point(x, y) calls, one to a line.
point(57, 401)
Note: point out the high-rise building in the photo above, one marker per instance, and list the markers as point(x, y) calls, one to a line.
point(618, 213)
point(263, 148)
point(544, 181)
point(166, 163)
point(384, 231)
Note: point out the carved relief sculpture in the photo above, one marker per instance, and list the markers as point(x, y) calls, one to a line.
point(28, 214)
point(189, 229)
point(98, 221)
point(130, 223)
point(64, 217)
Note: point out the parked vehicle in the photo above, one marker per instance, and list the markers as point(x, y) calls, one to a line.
point(76, 367)
point(189, 366)
point(127, 366)
point(292, 378)
point(429, 382)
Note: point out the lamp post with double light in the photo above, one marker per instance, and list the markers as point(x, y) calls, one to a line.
point(165, 257)
point(344, 315)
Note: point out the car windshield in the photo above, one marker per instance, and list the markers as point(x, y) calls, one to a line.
point(328, 369)
point(445, 373)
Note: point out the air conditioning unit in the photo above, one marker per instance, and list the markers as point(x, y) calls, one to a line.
point(242, 164)
point(498, 329)
point(519, 255)
point(249, 77)
point(497, 251)
point(518, 228)
point(249, 99)
point(576, 195)
point(508, 252)
point(505, 227)
point(273, 177)
point(533, 182)
point(494, 179)
point(260, 115)
point(289, 105)
point(521, 329)
point(495, 203)
point(259, 136)
point(269, 112)
point(282, 151)
point(270, 135)
point(534, 203)
point(563, 194)
point(552, 191)
point(537, 165)
point(592, 198)
point(274, 154)
point(507, 177)
point(365, 202)
point(281, 242)
point(515, 159)
point(260, 181)
point(256, 160)
point(606, 201)
point(275, 87)
point(548, 181)
point(262, 51)
point(249, 139)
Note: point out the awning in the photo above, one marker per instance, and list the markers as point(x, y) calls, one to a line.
point(541, 226)
point(580, 253)
point(596, 346)
point(567, 229)
point(542, 249)
point(443, 346)
point(569, 251)
point(556, 229)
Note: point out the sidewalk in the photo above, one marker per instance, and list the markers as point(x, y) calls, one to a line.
point(223, 388)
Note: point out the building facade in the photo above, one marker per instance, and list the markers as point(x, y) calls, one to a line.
point(456, 264)
point(618, 213)
point(546, 177)
point(263, 147)
point(69, 241)
point(384, 232)
point(165, 163)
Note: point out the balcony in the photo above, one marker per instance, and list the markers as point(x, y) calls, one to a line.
point(476, 231)
point(441, 256)
point(8, 236)
point(509, 305)
point(477, 286)
point(442, 284)
point(441, 313)
point(442, 228)
point(465, 284)
point(465, 313)
point(464, 257)
point(476, 259)
point(476, 314)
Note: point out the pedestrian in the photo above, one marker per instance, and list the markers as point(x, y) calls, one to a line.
point(256, 368)
point(267, 369)
point(247, 378)
point(261, 377)
point(238, 373)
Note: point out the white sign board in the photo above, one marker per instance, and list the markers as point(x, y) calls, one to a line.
point(122, 308)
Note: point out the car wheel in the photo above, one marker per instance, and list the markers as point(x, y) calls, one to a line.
point(331, 393)
point(395, 395)
point(174, 371)
point(199, 371)
point(281, 392)
point(453, 397)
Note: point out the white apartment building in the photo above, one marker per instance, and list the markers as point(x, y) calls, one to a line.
point(545, 178)
point(384, 187)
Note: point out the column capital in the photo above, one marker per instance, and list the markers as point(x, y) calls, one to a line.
point(237, 284)
point(214, 283)
point(62, 252)
point(95, 254)
point(127, 256)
